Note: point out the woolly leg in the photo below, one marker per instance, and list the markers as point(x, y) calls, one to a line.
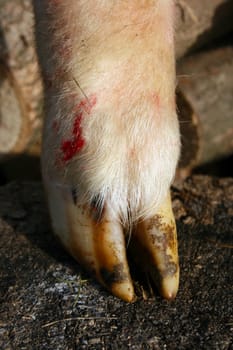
point(111, 132)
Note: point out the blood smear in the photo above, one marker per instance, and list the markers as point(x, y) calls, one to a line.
point(74, 145)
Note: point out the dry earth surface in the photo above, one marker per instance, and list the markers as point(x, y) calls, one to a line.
point(48, 302)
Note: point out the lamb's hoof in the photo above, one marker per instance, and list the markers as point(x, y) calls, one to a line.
point(96, 240)
point(154, 246)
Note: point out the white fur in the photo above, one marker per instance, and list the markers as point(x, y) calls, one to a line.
point(122, 52)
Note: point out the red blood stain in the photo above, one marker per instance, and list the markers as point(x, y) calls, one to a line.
point(86, 104)
point(72, 146)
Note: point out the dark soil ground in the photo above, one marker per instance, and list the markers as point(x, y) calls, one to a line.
point(48, 302)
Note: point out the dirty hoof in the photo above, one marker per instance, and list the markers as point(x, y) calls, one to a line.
point(99, 242)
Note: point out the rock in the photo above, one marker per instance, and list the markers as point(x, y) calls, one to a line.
point(48, 302)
